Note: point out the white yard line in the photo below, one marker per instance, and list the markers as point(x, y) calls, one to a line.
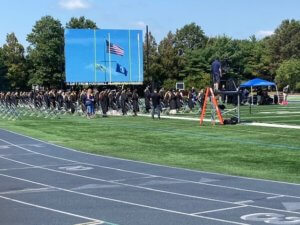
point(249, 124)
point(272, 125)
point(176, 118)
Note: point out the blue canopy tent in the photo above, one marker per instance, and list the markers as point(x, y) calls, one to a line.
point(258, 83)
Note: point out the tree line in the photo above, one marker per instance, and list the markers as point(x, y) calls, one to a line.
point(184, 55)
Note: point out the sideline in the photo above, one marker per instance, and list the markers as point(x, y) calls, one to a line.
point(272, 125)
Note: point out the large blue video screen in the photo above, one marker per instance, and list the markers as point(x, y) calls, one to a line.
point(104, 56)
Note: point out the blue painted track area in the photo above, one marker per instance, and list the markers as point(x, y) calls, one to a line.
point(42, 183)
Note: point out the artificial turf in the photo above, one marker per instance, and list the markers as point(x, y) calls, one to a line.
point(270, 153)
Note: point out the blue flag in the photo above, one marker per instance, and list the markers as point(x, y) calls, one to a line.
point(121, 69)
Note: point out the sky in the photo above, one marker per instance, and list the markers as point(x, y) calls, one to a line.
point(235, 18)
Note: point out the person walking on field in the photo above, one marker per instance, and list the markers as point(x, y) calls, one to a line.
point(216, 70)
point(286, 90)
point(156, 98)
point(135, 102)
point(89, 103)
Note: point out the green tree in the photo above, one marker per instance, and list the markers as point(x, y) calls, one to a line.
point(3, 71)
point(153, 68)
point(81, 23)
point(285, 43)
point(288, 73)
point(259, 61)
point(254, 59)
point(196, 71)
point(169, 84)
point(198, 61)
point(14, 60)
point(200, 81)
point(169, 59)
point(190, 37)
point(46, 52)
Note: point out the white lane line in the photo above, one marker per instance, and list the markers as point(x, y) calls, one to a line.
point(19, 168)
point(129, 179)
point(157, 190)
point(123, 184)
point(33, 167)
point(4, 147)
point(279, 196)
point(146, 163)
point(29, 145)
point(146, 174)
point(90, 223)
point(244, 202)
point(28, 190)
point(49, 209)
point(122, 202)
point(219, 210)
point(24, 154)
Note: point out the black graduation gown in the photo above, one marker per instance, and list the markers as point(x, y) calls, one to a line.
point(135, 102)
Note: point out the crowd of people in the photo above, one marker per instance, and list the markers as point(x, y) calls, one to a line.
point(89, 101)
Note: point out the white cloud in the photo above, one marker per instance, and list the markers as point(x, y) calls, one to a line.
point(74, 4)
point(264, 33)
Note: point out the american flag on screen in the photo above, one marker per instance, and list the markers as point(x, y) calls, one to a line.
point(114, 49)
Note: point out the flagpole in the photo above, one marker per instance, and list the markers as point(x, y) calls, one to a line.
point(109, 56)
point(105, 59)
point(95, 55)
point(129, 44)
point(139, 56)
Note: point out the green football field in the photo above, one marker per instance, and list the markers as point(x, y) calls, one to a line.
point(261, 152)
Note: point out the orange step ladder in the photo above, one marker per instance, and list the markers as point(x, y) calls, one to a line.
point(209, 93)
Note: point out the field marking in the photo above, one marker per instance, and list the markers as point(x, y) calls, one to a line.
point(129, 179)
point(145, 174)
point(24, 154)
point(268, 117)
point(156, 190)
point(279, 196)
point(187, 181)
point(219, 210)
point(29, 145)
point(33, 167)
point(48, 209)
point(27, 190)
point(252, 124)
point(16, 168)
point(90, 223)
point(225, 186)
point(128, 185)
point(281, 112)
point(147, 163)
point(246, 202)
point(75, 168)
point(4, 147)
point(122, 202)
point(272, 125)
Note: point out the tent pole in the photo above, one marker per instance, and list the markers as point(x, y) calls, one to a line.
point(277, 93)
point(252, 94)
